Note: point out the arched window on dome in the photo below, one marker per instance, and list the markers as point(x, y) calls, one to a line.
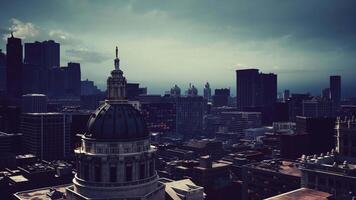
point(113, 173)
point(97, 173)
point(128, 172)
point(142, 171)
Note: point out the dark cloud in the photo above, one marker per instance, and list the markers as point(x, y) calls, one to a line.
point(81, 55)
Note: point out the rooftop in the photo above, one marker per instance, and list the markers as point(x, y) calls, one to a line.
point(41, 193)
point(278, 166)
point(302, 194)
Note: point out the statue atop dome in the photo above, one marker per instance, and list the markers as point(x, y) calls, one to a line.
point(116, 83)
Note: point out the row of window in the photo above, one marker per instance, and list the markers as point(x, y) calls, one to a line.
point(113, 172)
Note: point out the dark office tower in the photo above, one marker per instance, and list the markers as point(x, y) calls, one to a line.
point(189, 115)
point(325, 94)
point(46, 135)
point(207, 92)
point(2, 72)
point(72, 77)
point(14, 67)
point(256, 92)
point(335, 92)
point(45, 54)
point(268, 89)
point(286, 95)
point(247, 93)
point(221, 97)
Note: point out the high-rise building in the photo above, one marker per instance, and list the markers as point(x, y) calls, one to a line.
point(73, 83)
point(45, 54)
point(64, 82)
point(34, 103)
point(87, 87)
point(317, 107)
point(286, 95)
point(256, 92)
point(325, 93)
point(116, 160)
point(207, 92)
point(221, 97)
point(247, 88)
point(236, 122)
point(159, 116)
point(14, 67)
point(46, 135)
point(192, 90)
point(335, 92)
point(2, 72)
point(189, 112)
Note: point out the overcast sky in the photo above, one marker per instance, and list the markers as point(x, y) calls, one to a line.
point(166, 42)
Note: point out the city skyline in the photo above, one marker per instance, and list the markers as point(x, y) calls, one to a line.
point(216, 39)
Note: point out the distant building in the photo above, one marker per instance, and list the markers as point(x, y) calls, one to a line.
point(269, 178)
point(64, 82)
point(159, 116)
point(256, 92)
point(317, 108)
point(34, 103)
point(295, 105)
point(45, 54)
point(189, 115)
point(221, 97)
point(2, 72)
point(87, 87)
point(10, 146)
point(9, 117)
point(286, 95)
point(335, 92)
point(175, 91)
point(325, 94)
point(346, 137)
point(207, 92)
point(238, 121)
point(192, 91)
point(14, 67)
point(46, 135)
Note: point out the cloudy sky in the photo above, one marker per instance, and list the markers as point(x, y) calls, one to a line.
point(166, 42)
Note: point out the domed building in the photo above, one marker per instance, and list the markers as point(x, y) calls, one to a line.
point(115, 160)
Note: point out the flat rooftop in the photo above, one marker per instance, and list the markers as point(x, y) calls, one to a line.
point(278, 166)
point(40, 193)
point(302, 194)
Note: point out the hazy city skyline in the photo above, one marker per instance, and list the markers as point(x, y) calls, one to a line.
point(193, 41)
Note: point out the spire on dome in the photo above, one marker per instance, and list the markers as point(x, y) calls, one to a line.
point(117, 59)
point(117, 52)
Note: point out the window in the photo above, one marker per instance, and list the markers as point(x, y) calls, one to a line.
point(113, 174)
point(97, 173)
point(86, 171)
point(128, 173)
point(151, 168)
point(142, 170)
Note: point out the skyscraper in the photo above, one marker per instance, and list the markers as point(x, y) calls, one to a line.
point(207, 92)
point(247, 90)
point(335, 92)
point(14, 67)
point(221, 97)
point(2, 72)
point(256, 92)
point(45, 54)
point(46, 135)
